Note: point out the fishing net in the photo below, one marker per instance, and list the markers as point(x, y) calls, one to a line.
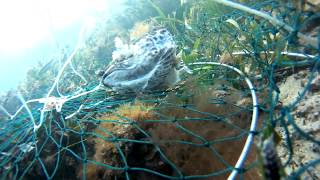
point(70, 126)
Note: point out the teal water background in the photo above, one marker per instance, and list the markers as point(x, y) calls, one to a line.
point(15, 63)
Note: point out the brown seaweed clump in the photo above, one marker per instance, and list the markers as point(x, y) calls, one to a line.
point(188, 130)
point(113, 137)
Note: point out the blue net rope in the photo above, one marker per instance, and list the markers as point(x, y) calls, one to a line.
point(70, 126)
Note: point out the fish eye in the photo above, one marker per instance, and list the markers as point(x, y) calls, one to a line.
point(154, 51)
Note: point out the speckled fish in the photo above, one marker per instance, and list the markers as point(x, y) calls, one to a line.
point(147, 65)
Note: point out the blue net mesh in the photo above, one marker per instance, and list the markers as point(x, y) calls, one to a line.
point(70, 126)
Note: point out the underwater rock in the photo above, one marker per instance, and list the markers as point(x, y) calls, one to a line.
point(154, 136)
point(108, 149)
point(306, 117)
point(315, 83)
point(147, 65)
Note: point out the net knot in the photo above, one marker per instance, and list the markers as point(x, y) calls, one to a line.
point(52, 102)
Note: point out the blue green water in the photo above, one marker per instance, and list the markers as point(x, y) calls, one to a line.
point(14, 65)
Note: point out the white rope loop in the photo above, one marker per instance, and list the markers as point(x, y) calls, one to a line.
point(254, 119)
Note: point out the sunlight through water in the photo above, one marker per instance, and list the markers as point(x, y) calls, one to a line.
point(33, 31)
